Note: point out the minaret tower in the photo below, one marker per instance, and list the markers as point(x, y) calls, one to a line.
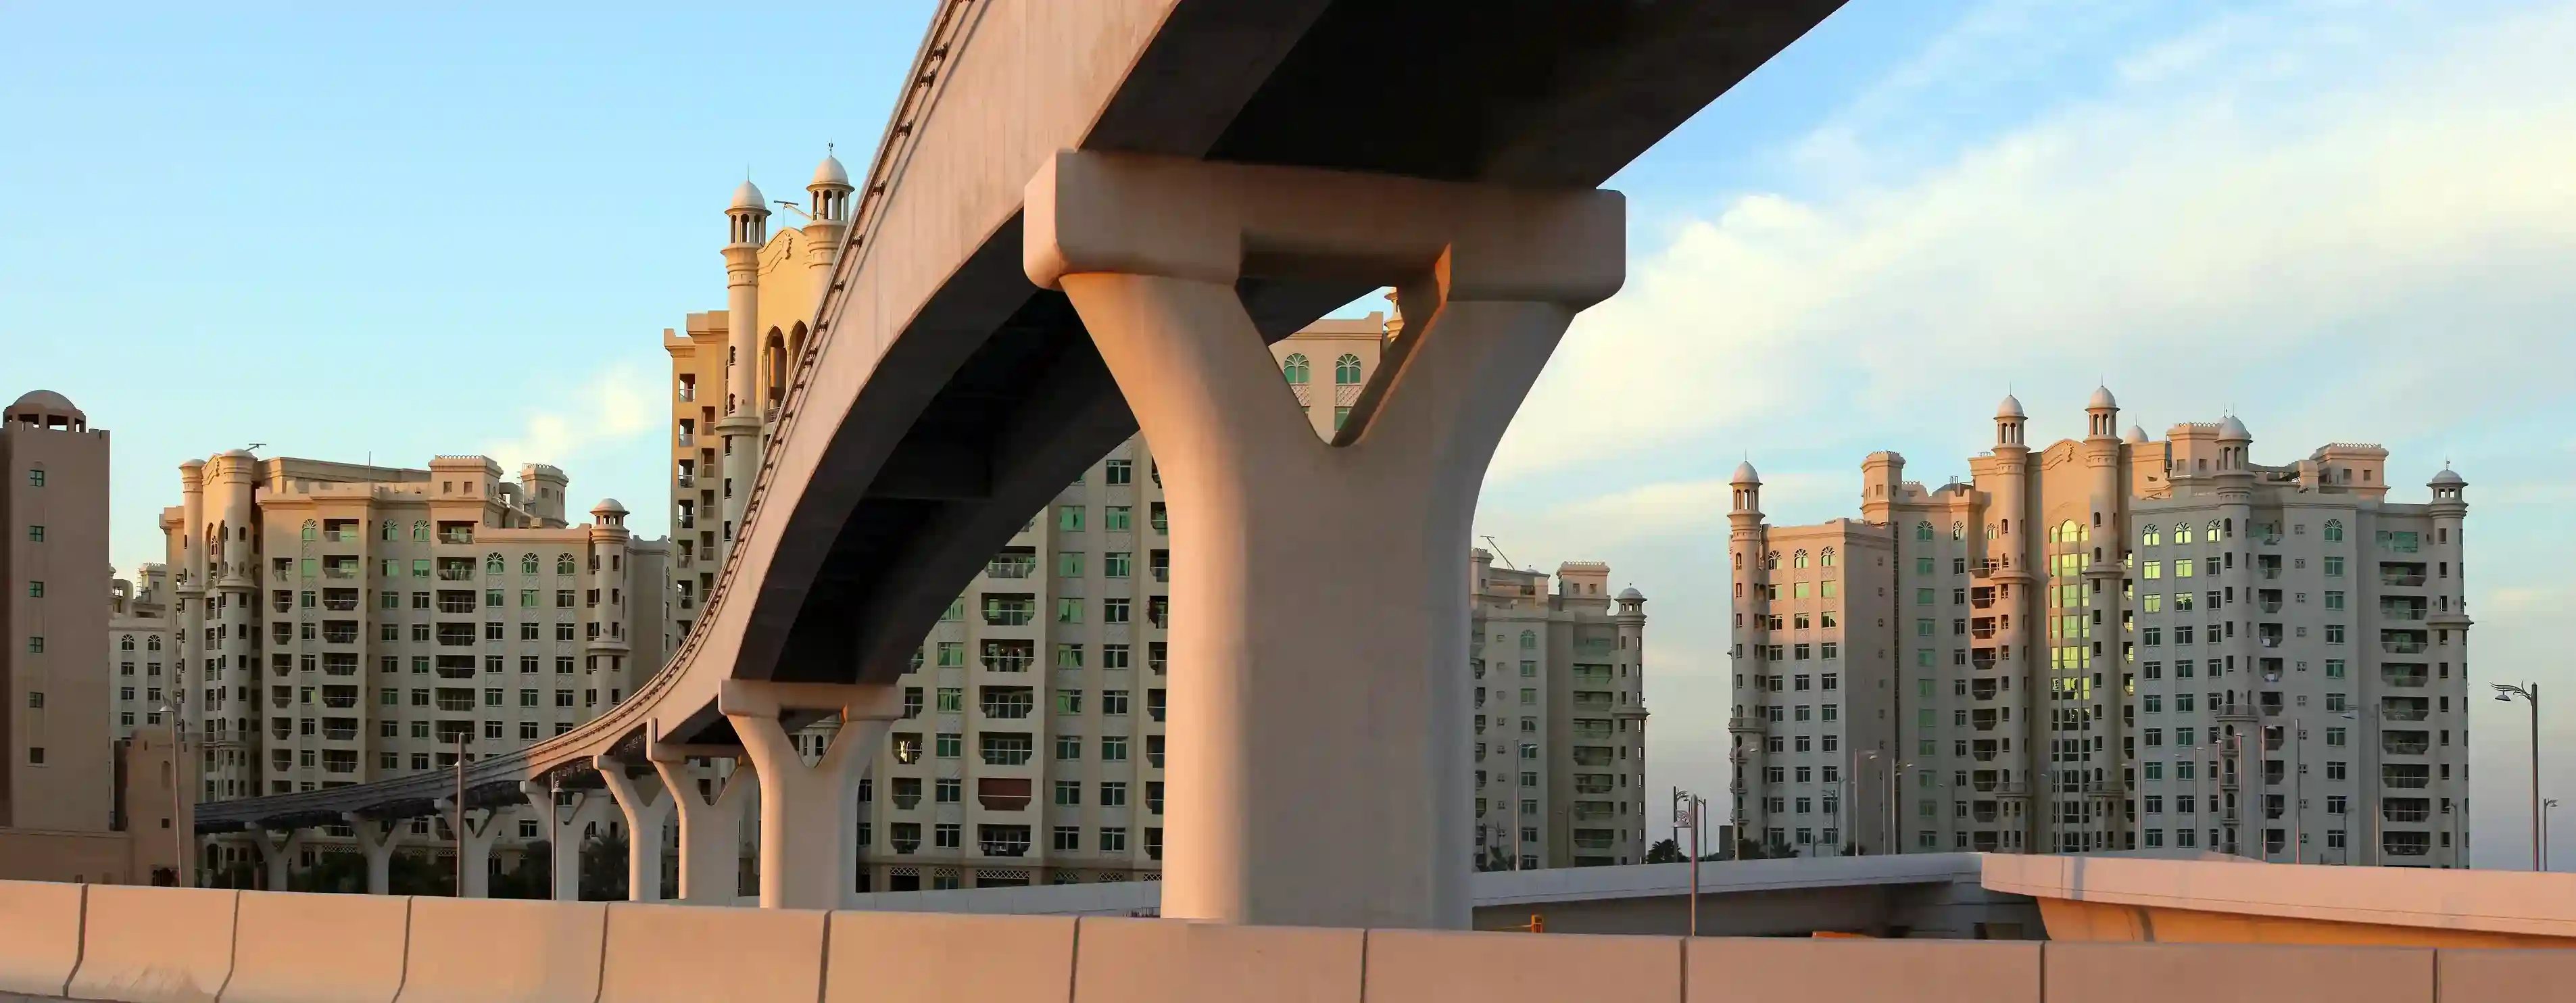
point(2017, 598)
point(2101, 550)
point(1749, 724)
point(740, 425)
point(2242, 782)
point(829, 209)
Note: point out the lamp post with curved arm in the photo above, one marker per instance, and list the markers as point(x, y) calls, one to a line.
point(2530, 694)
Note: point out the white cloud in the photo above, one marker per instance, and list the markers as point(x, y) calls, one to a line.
point(2350, 221)
point(613, 407)
point(2318, 203)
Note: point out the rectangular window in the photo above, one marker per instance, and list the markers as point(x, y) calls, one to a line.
point(1117, 518)
point(1068, 518)
point(1068, 564)
point(1114, 564)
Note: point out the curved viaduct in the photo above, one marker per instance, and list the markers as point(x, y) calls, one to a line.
point(1203, 169)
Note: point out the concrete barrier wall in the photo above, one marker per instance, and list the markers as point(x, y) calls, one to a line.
point(40, 936)
point(293, 948)
point(141, 944)
point(151, 945)
point(503, 951)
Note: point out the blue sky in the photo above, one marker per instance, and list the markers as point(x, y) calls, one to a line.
point(347, 233)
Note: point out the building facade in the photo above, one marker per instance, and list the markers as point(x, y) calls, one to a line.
point(339, 623)
point(1560, 717)
point(53, 501)
point(2118, 643)
point(142, 648)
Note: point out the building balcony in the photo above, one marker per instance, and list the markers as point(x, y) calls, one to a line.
point(2413, 581)
point(2403, 713)
point(2402, 647)
point(2404, 743)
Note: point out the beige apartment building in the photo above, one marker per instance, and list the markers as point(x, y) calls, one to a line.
point(1560, 717)
point(2112, 643)
point(142, 649)
point(1033, 747)
point(80, 799)
point(59, 774)
point(340, 623)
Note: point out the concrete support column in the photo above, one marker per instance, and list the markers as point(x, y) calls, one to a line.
point(1319, 777)
point(541, 799)
point(648, 807)
point(808, 814)
point(565, 829)
point(710, 828)
point(473, 847)
point(376, 841)
point(277, 857)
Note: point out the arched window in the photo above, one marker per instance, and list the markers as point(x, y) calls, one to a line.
point(1295, 368)
point(1346, 370)
point(1922, 531)
point(1771, 561)
point(125, 643)
point(1529, 640)
point(1827, 558)
point(528, 564)
point(2068, 532)
point(312, 531)
point(2334, 529)
point(390, 528)
point(563, 564)
point(420, 531)
point(1739, 561)
point(2154, 535)
point(1798, 560)
point(1958, 531)
point(2212, 535)
point(152, 643)
point(2182, 532)
point(494, 565)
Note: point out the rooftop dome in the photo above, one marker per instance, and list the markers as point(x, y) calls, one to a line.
point(1744, 474)
point(2448, 478)
point(748, 197)
point(2136, 436)
point(1631, 594)
point(2233, 429)
point(2102, 398)
point(2010, 408)
point(243, 453)
point(608, 506)
point(46, 402)
point(830, 172)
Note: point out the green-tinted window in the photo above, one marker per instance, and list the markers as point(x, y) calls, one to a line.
point(1068, 518)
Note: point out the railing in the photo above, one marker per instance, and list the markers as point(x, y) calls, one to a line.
point(2404, 713)
point(2402, 647)
point(2403, 581)
point(2393, 745)
point(1010, 567)
point(2396, 814)
point(455, 536)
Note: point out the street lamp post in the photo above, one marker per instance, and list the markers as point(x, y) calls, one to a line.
point(2530, 694)
point(2546, 807)
point(1688, 809)
point(461, 738)
point(179, 832)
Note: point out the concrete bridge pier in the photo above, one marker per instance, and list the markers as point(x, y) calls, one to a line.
point(377, 838)
point(1319, 776)
point(276, 856)
point(808, 814)
point(647, 804)
point(710, 827)
point(473, 847)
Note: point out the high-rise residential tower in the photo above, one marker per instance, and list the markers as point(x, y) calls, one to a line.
point(2110, 643)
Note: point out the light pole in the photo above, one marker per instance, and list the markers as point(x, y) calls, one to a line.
point(1852, 812)
point(1688, 808)
point(1895, 770)
point(179, 832)
point(2546, 807)
point(461, 738)
point(2530, 694)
